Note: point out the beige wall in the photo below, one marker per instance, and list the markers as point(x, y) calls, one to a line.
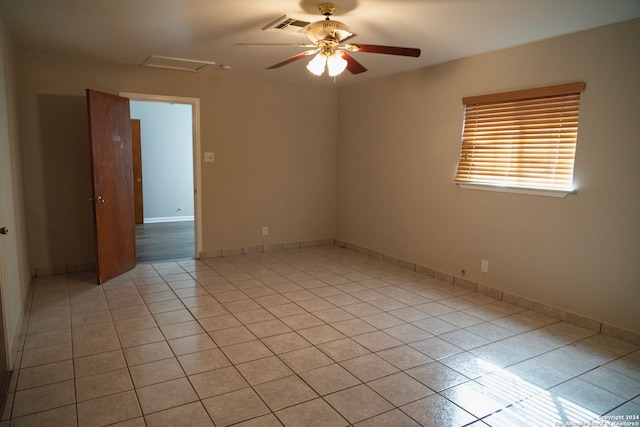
point(398, 147)
point(274, 147)
point(15, 271)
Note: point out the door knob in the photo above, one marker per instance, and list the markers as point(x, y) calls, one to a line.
point(100, 199)
point(4, 230)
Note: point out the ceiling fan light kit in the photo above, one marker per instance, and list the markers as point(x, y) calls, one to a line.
point(334, 63)
point(326, 37)
point(317, 64)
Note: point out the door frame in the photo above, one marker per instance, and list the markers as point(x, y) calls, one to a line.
point(8, 358)
point(197, 167)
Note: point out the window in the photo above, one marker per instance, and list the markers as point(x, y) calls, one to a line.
point(523, 141)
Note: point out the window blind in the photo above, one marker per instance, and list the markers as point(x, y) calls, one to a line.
point(522, 139)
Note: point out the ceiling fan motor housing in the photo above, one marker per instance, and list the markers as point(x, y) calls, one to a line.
point(327, 9)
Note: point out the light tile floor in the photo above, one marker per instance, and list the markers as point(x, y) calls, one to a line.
point(317, 336)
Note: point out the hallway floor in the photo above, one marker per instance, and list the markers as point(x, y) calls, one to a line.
point(317, 336)
point(162, 241)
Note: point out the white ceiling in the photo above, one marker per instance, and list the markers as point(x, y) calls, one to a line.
point(129, 31)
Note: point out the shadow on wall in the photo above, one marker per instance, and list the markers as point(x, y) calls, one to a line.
point(67, 217)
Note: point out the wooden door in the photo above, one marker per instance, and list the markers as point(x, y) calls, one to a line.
point(136, 145)
point(10, 242)
point(112, 183)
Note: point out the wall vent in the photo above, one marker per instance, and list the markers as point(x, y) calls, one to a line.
point(287, 24)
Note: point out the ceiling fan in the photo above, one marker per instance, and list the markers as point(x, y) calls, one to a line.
point(327, 39)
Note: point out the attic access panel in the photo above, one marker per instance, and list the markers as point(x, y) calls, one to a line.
point(176, 63)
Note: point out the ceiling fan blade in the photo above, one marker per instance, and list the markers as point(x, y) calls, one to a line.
point(293, 58)
point(387, 50)
point(352, 65)
point(276, 44)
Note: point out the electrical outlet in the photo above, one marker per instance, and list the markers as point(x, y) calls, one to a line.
point(484, 266)
point(265, 230)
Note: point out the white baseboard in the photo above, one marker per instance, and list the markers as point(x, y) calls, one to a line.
point(168, 219)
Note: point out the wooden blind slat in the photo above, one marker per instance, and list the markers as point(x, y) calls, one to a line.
point(498, 108)
point(522, 104)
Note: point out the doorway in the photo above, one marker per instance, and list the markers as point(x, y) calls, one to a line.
point(170, 177)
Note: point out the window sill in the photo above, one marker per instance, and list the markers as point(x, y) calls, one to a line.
point(518, 190)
